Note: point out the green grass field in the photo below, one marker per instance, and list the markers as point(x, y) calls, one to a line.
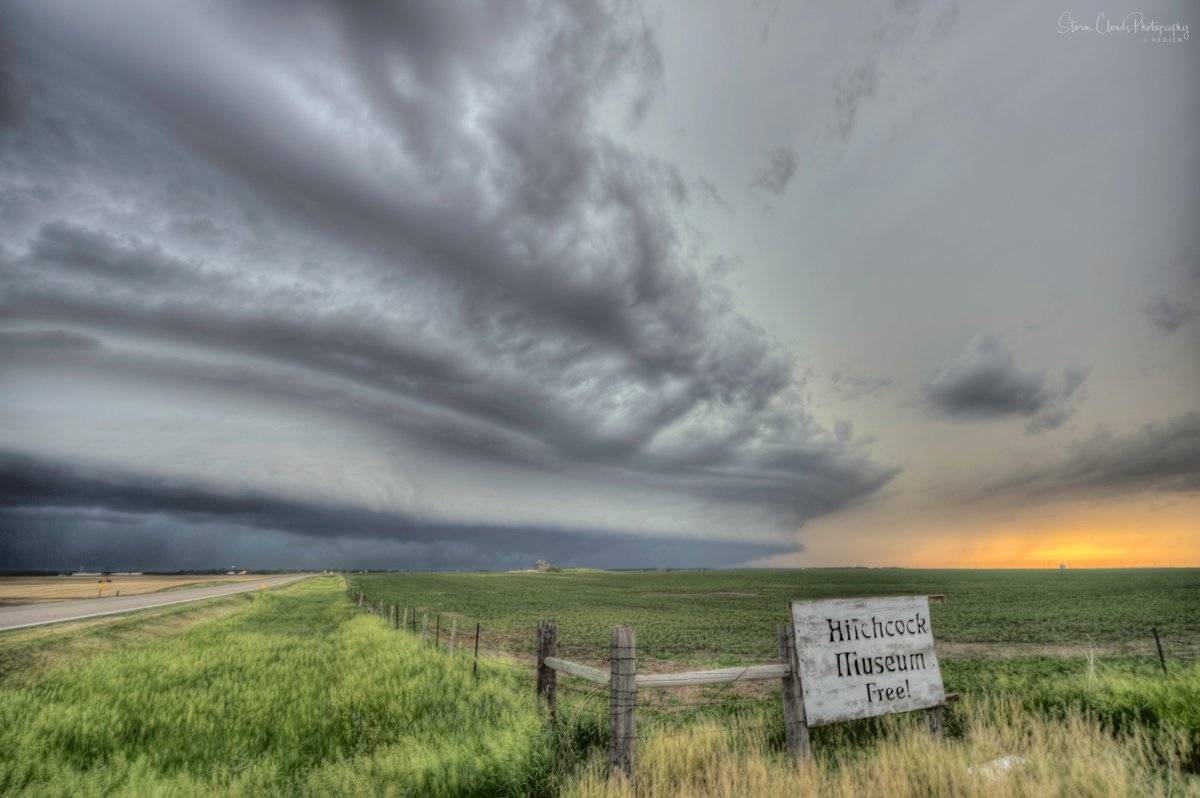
point(297, 692)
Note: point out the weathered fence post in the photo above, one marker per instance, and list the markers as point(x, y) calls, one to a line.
point(437, 640)
point(414, 619)
point(794, 723)
point(547, 678)
point(622, 701)
point(453, 631)
point(937, 717)
point(424, 625)
point(404, 622)
point(475, 665)
point(1158, 644)
point(360, 599)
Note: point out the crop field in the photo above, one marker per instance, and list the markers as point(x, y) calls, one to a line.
point(298, 692)
point(729, 617)
point(31, 589)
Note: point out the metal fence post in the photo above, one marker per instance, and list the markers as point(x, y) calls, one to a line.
point(1158, 644)
point(475, 665)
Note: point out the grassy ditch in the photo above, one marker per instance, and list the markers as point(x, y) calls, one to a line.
point(297, 694)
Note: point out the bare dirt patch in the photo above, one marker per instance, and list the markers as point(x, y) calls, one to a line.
point(717, 593)
point(959, 650)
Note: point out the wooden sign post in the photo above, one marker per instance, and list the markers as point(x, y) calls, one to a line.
point(858, 658)
point(794, 725)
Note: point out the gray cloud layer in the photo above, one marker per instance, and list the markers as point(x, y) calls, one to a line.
point(984, 382)
point(1162, 457)
point(406, 216)
point(53, 515)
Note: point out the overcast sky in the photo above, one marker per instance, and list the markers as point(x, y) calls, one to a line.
point(428, 285)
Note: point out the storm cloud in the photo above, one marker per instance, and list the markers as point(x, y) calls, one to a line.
point(405, 218)
point(443, 276)
point(56, 513)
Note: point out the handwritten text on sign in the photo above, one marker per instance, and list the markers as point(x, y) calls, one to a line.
point(864, 657)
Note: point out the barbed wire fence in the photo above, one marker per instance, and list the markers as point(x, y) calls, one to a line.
point(735, 705)
point(720, 707)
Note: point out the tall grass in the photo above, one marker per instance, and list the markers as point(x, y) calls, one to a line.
point(296, 695)
point(1069, 756)
point(1124, 693)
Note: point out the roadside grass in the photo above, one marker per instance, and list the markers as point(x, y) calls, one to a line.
point(1072, 755)
point(25, 654)
point(297, 694)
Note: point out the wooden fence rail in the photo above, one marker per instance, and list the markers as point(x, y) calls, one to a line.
point(748, 673)
point(594, 675)
point(624, 682)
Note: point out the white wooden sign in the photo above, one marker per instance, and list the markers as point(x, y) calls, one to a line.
point(863, 657)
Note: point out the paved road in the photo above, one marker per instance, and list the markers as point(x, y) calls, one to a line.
point(22, 615)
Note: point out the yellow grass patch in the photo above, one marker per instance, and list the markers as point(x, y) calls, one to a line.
point(33, 589)
point(1005, 750)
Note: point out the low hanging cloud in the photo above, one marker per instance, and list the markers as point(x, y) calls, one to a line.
point(985, 382)
point(408, 218)
point(56, 514)
point(1169, 314)
point(1163, 457)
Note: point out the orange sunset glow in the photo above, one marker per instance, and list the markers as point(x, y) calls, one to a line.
point(1081, 535)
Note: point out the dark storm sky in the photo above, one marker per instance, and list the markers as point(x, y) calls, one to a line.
point(437, 285)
